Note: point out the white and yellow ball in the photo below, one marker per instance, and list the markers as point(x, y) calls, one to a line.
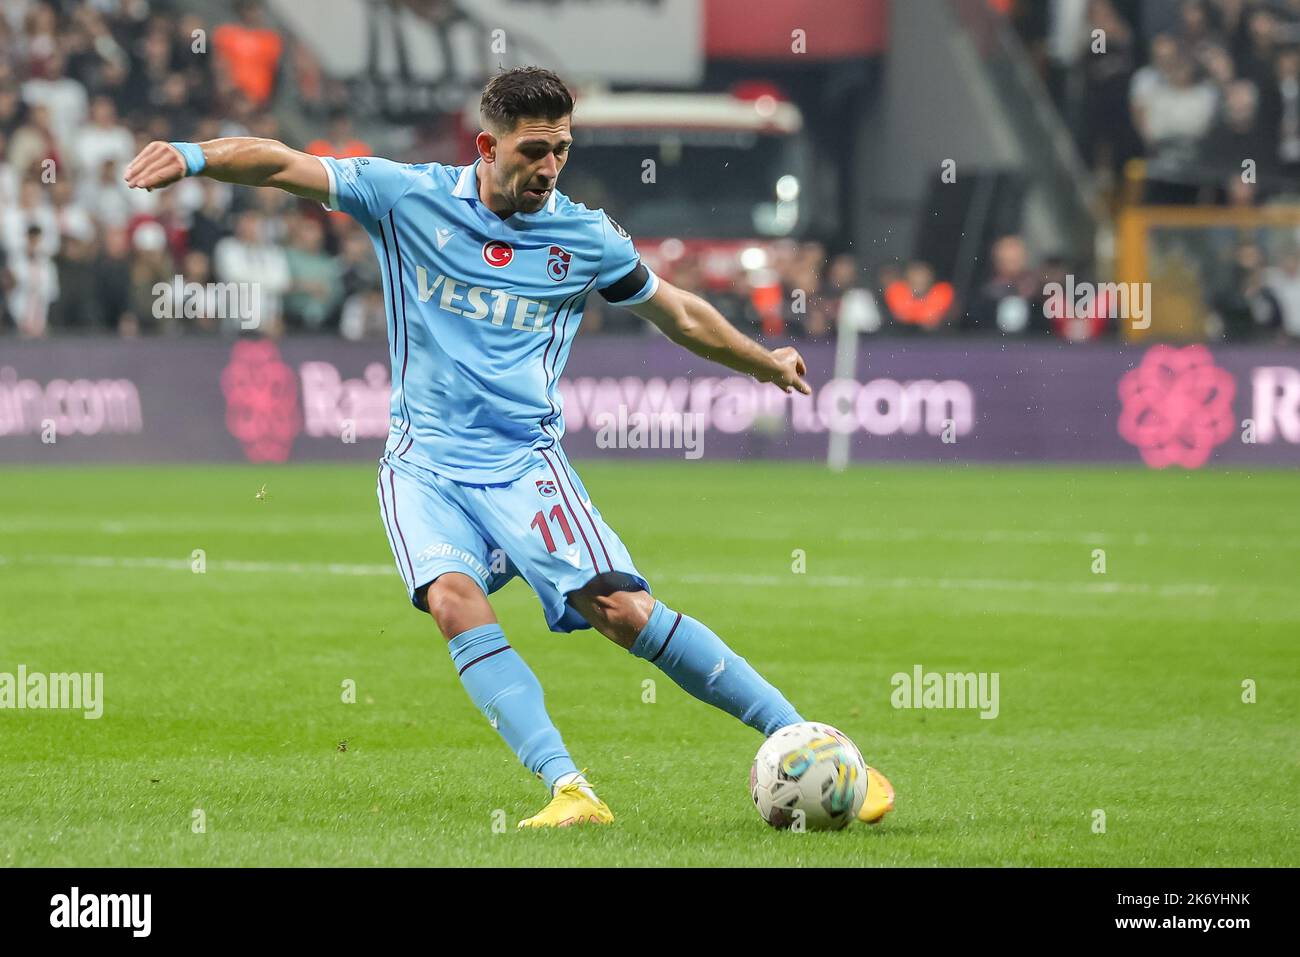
point(808, 776)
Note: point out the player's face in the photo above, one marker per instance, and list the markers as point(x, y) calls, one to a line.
point(528, 161)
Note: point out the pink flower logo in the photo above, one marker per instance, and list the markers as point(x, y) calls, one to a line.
point(1176, 406)
point(261, 401)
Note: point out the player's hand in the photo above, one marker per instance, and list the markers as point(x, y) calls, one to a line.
point(157, 165)
point(788, 372)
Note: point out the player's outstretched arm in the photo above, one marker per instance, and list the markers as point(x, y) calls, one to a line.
point(689, 321)
point(244, 160)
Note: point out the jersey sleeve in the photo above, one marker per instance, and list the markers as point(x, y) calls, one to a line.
point(368, 187)
point(623, 279)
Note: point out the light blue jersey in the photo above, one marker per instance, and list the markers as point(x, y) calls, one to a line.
point(482, 311)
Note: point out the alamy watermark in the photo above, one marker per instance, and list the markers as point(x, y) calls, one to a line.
point(67, 691)
point(130, 911)
point(1129, 301)
point(946, 690)
point(178, 299)
point(651, 430)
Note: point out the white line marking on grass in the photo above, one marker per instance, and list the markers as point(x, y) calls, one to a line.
point(142, 526)
point(184, 564)
point(1011, 536)
point(1284, 539)
point(860, 582)
point(1180, 590)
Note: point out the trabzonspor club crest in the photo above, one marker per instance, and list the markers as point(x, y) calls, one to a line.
point(557, 263)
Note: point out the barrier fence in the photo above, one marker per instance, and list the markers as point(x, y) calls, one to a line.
point(321, 400)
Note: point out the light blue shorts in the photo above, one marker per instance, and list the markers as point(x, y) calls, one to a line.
point(541, 527)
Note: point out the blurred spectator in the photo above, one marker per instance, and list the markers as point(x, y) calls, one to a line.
point(193, 303)
point(151, 266)
point(341, 141)
point(35, 285)
point(314, 282)
point(1007, 302)
point(32, 143)
point(250, 52)
point(805, 312)
point(364, 316)
point(357, 262)
point(1177, 114)
point(106, 197)
point(207, 222)
point(113, 280)
point(8, 177)
point(70, 217)
point(1282, 112)
point(6, 286)
point(1239, 192)
point(261, 267)
point(1231, 16)
point(1260, 49)
point(63, 97)
point(11, 108)
point(1195, 27)
point(1108, 138)
point(1073, 317)
point(848, 301)
point(1283, 283)
point(735, 300)
point(204, 314)
point(37, 23)
point(1243, 306)
point(195, 64)
point(102, 140)
point(918, 300)
point(1237, 136)
point(1164, 51)
point(33, 211)
point(151, 65)
point(172, 113)
point(80, 306)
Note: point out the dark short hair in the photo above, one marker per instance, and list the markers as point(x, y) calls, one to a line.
point(526, 91)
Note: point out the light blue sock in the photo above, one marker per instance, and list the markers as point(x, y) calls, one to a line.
point(510, 697)
point(702, 664)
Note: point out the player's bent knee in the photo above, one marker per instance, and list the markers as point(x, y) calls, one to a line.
point(620, 616)
point(457, 604)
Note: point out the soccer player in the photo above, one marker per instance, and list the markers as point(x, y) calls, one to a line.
point(486, 269)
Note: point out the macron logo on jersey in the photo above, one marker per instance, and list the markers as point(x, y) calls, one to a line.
point(481, 303)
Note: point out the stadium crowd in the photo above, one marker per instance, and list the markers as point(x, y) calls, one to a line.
point(84, 84)
point(1191, 88)
point(1190, 102)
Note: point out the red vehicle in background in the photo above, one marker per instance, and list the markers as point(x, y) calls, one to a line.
point(712, 187)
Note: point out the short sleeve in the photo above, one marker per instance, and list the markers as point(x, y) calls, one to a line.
point(623, 279)
point(368, 187)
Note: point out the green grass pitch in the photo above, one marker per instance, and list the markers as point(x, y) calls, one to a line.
point(1120, 692)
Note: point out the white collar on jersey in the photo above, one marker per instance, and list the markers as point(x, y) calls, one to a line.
point(467, 188)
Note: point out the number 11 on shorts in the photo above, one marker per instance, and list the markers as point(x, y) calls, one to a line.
point(557, 515)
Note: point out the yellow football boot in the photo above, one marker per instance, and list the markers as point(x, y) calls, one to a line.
point(571, 806)
point(880, 797)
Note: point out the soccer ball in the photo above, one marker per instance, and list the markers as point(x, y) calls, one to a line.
point(808, 775)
